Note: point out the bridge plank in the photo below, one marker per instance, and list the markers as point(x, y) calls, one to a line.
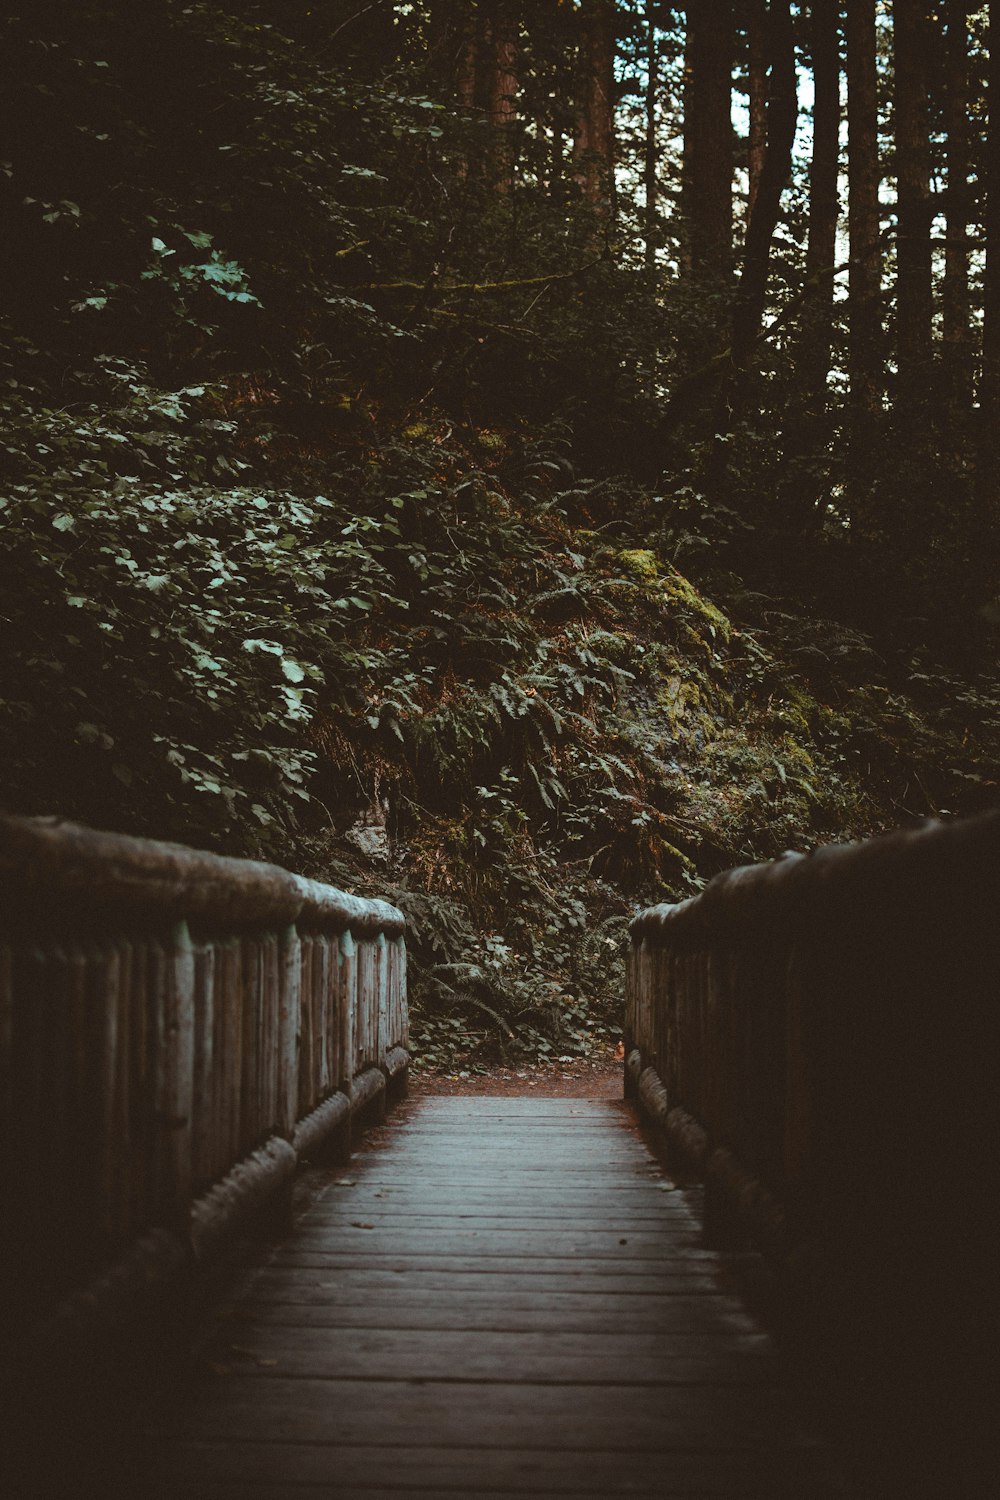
point(628, 1275)
point(314, 1306)
point(503, 1309)
point(437, 1315)
point(429, 1275)
point(268, 1470)
point(556, 1357)
point(656, 1419)
point(423, 1214)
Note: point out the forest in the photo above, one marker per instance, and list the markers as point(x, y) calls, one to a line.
point(520, 457)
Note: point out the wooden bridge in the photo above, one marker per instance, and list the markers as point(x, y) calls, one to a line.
point(497, 1296)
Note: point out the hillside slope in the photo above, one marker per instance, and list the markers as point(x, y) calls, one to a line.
point(438, 676)
point(339, 524)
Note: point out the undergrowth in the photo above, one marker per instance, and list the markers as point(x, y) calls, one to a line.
point(338, 526)
point(444, 677)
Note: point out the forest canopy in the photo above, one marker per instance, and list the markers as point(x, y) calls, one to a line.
point(523, 457)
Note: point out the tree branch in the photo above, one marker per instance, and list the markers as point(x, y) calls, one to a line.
point(477, 286)
point(704, 378)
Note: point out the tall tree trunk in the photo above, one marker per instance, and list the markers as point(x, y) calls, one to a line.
point(444, 40)
point(957, 330)
point(989, 394)
point(757, 91)
point(782, 117)
point(865, 352)
point(501, 91)
point(466, 46)
point(824, 201)
point(708, 137)
point(556, 152)
point(650, 164)
point(689, 108)
point(440, 24)
point(914, 296)
point(594, 142)
point(467, 61)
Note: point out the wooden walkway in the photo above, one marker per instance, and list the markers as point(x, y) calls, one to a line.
point(509, 1299)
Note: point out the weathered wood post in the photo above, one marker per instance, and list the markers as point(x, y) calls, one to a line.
point(177, 1031)
point(174, 1004)
point(820, 1038)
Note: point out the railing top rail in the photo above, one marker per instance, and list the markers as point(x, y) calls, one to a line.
point(933, 866)
point(64, 865)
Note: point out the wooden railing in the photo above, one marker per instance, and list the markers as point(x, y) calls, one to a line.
point(818, 1037)
point(176, 1030)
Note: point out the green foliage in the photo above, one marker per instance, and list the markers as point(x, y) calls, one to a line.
point(168, 637)
point(334, 478)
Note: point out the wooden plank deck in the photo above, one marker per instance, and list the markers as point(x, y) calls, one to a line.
point(511, 1299)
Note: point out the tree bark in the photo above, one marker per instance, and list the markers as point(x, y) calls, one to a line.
point(824, 200)
point(757, 92)
point(444, 37)
point(594, 141)
point(914, 296)
point(459, 46)
point(708, 137)
point(501, 91)
point(782, 117)
point(467, 61)
point(989, 393)
point(957, 328)
point(650, 164)
point(865, 347)
point(689, 109)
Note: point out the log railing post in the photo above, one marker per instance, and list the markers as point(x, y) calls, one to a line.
point(382, 999)
point(175, 1070)
point(820, 1037)
point(177, 1029)
point(290, 992)
point(348, 990)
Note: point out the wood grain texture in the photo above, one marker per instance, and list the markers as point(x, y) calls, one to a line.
point(481, 1309)
point(268, 1471)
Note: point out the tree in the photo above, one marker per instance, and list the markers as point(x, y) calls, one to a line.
point(865, 279)
point(914, 295)
point(824, 201)
point(757, 64)
point(470, 40)
point(455, 46)
point(989, 392)
point(782, 115)
point(708, 138)
point(446, 33)
point(501, 88)
point(651, 154)
point(594, 137)
point(957, 329)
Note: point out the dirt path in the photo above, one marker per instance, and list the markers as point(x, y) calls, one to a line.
point(578, 1080)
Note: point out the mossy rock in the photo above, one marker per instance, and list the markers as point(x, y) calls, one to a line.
point(684, 593)
point(642, 564)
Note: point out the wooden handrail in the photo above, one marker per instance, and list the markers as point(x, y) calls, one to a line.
point(176, 1030)
point(818, 1037)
